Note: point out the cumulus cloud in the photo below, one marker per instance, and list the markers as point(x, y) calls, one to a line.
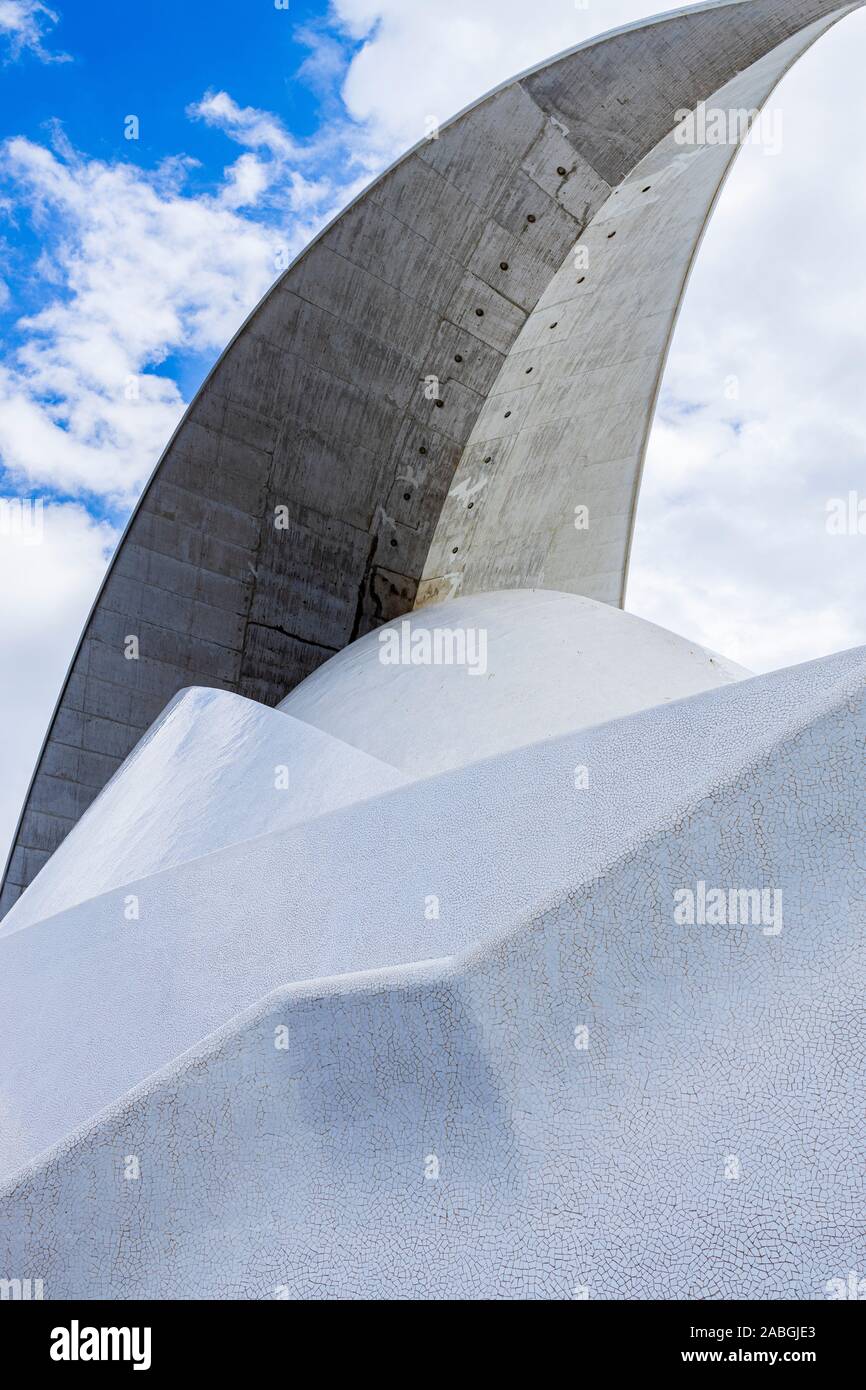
point(761, 421)
point(23, 26)
point(145, 272)
point(271, 179)
point(138, 274)
point(418, 61)
point(54, 584)
point(259, 130)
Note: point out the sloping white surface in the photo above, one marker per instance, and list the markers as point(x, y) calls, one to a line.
point(599, 1102)
point(555, 663)
point(215, 769)
point(421, 873)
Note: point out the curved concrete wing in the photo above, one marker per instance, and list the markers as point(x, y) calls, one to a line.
point(450, 268)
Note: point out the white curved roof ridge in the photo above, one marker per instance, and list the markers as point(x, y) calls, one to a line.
point(317, 405)
point(215, 769)
point(454, 683)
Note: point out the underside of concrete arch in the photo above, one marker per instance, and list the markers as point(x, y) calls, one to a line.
point(427, 394)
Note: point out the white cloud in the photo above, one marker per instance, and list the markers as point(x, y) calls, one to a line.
point(246, 180)
point(139, 269)
point(326, 62)
point(275, 183)
point(731, 544)
point(24, 24)
point(419, 60)
point(256, 129)
point(53, 585)
point(145, 271)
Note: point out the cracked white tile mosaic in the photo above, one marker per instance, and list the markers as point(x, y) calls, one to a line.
point(520, 952)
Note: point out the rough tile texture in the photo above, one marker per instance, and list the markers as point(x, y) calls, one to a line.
point(583, 1098)
point(582, 1020)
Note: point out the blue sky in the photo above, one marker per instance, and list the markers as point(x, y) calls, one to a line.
point(127, 265)
point(72, 89)
point(154, 59)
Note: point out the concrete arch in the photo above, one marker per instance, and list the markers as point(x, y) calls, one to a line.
point(452, 266)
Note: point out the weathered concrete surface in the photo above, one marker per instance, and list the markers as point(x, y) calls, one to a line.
point(319, 404)
point(566, 424)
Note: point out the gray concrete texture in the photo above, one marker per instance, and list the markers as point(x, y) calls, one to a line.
point(454, 265)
